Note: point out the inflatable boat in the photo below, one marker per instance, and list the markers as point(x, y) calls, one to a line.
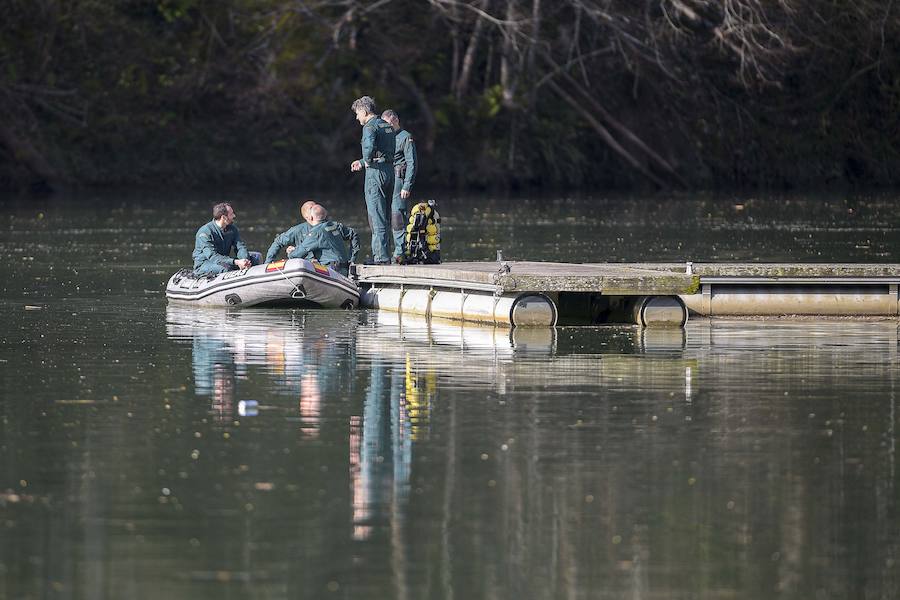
point(291, 282)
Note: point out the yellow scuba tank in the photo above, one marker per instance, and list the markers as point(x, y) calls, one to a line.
point(423, 234)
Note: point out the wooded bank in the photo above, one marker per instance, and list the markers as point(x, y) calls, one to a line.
point(569, 93)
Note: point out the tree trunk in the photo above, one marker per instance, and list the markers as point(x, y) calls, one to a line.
point(465, 73)
point(507, 77)
point(424, 109)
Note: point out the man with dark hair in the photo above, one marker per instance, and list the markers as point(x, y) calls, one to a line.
point(215, 242)
point(404, 178)
point(325, 241)
point(378, 146)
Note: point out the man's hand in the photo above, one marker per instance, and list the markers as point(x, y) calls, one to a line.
point(289, 249)
point(243, 263)
point(405, 194)
point(356, 165)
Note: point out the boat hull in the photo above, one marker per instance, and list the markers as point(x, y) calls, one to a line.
point(293, 282)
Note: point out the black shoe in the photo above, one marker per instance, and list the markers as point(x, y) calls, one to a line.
point(399, 260)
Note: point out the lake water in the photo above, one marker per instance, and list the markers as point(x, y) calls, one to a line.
point(151, 451)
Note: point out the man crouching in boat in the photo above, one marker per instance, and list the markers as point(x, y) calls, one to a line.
point(215, 242)
point(293, 236)
point(325, 240)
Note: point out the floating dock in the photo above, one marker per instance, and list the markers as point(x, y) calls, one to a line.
point(515, 293)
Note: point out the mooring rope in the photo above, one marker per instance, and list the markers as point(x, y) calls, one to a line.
point(300, 293)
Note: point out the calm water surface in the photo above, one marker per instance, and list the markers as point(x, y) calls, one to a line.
point(151, 451)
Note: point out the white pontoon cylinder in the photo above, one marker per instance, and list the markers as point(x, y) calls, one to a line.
point(533, 310)
point(530, 309)
point(659, 311)
point(778, 300)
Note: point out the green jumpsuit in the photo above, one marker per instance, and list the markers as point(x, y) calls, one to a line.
point(378, 146)
point(404, 177)
point(213, 247)
point(297, 234)
point(326, 242)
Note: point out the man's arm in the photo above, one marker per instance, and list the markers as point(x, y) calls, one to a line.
point(305, 247)
point(368, 144)
point(409, 154)
point(281, 240)
point(349, 235)
point(240, 247)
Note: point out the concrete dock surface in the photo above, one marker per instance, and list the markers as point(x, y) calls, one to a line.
point(617, 278)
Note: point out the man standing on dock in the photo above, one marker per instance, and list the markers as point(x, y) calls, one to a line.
point(404, 178)
point(215, 242)
point(378, 147)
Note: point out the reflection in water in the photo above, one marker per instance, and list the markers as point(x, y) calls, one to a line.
point(389, 459)
point(743, 457)
point(689, 432)
point(227, 344)
point(380, 458)
point(407, 459)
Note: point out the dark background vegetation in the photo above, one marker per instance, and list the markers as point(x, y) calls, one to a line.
point(509, 93)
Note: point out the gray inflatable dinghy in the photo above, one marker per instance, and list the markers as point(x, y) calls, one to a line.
point(292, 282)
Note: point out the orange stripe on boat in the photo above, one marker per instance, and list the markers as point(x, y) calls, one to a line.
point(321, 269)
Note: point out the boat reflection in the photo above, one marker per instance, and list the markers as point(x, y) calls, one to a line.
point(287, 347)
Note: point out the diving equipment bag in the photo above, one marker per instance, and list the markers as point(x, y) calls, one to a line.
point(423, 235)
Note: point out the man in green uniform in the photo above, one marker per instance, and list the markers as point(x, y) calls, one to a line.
point(326, 242)
point(378, 147)
point(404, 178)
point(294, 236)
point(290, 238)
point(215, 242)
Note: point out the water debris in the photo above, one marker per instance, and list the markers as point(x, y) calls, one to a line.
point(220, 576)
point(248, 408)
point(77, 401)
point(33, 307)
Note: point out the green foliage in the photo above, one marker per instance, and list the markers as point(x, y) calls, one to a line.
point(258, 91)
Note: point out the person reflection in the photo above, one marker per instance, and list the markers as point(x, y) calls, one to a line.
point(284, 352)
point(222, 394)
point(324, 374)
point(381, 445)
point(214, 374)
point(310, 404)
